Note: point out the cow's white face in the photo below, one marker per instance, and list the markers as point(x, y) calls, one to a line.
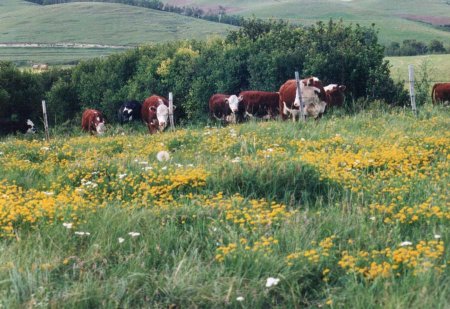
point(162, 114)
point(31, 128)
point(233, 102)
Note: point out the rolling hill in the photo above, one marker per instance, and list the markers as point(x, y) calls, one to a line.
point(98, 23)
point(396, 20)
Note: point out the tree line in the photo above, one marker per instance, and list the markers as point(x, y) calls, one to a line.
point(218, 15)
point(261, 55)
point(414, 48)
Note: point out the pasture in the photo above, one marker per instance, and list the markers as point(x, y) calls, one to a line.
point(396, 20)
point(437, 67)
point(350, 211)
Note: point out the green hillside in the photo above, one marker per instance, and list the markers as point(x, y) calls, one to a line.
point(99, 23)
point(397, 20)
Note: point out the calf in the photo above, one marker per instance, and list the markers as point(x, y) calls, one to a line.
point(260, 104)
point(130, 111)
point(441, 93)
point(226, 107)
point(14, 127)
point(155, 113)
point(92, 121)
point(313, 96)
point(335, 95)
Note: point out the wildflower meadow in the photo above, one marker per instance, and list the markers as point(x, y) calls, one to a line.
point(349, 211)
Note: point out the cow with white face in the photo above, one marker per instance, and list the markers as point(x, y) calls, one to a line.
point(155, 113)
point(14, 127)
point(92, 121)
point(313, 97)
point(130, 111)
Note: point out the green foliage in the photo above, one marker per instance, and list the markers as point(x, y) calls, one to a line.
point(261, 55)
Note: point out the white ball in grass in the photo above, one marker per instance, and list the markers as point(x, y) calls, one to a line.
point(163, 156)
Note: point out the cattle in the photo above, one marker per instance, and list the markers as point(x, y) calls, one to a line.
point(313, 96)
point(225, 107)
point(335, 95)
point(155, 113)
point(92, 121)
point(261, 104)
point(129, 111)
point(441, 93)
point(14, 127)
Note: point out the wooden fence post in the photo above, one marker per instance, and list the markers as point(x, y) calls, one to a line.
point(172, 124)
point(44, 110)
point(299, 93)
point(411, 88)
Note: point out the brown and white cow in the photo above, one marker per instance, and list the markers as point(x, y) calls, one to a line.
point(261, 104)
point(313, 96)
point(225, 107)
point(155, 113)
point(441, 93)
point(92, 121)
point(335, 95)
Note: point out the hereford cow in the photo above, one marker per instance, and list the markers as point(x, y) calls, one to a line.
point(130, 111)
point(441, 93)
point(313, 96)
point(261, 104)
point(155, 113)
point(14, 127)
point(92, 121)
point(225, 107)
point(335, 95)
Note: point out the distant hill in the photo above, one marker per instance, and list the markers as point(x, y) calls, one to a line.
point(102, 23)
point(397, 20)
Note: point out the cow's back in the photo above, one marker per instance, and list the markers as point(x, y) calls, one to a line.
point(260, 102)
point(217, 105)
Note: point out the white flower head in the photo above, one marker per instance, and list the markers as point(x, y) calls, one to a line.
point(122, 176)
point(134, 234)
point(272, 282)
point(82, 233)
point(240, 298)
point(163, 156)
point(372, 218)
point(48, 193)
point(67, 225)
point(121, 240)
point(437, 236)
point(236, 160)
point(406, 243)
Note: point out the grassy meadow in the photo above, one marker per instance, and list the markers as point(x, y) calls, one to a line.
point(350, 211)
point(392, 18)
point(437, 67)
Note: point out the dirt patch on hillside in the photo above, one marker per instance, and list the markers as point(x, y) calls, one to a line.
point(433, 20)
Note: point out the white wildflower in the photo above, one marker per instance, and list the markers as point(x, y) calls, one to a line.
point(240, 298)
point(45, 148)
point(372, 218)
point(48, 193)
point(67, 225)
point(82, 233)
point(272, 282)
point(236, 160)
point(122, 176)
point(164, 168)
point(143, 162)
point(437, 236)
point(406, 243)
point(134, 234)
point(121, 240)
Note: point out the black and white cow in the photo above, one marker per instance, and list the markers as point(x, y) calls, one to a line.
point(13, 127)
point(130, 111)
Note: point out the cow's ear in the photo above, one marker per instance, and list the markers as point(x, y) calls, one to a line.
point(226, 101)
point(174, 107)
point(342, 88)
point(240, 98)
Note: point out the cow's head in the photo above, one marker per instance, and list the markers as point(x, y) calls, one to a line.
point(99, 123)
point(127, 113)
point(30, 128)
point(162, 114)
point(233, 102)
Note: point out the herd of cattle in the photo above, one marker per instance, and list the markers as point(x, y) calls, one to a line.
point(154, 111)
point(312, 99)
